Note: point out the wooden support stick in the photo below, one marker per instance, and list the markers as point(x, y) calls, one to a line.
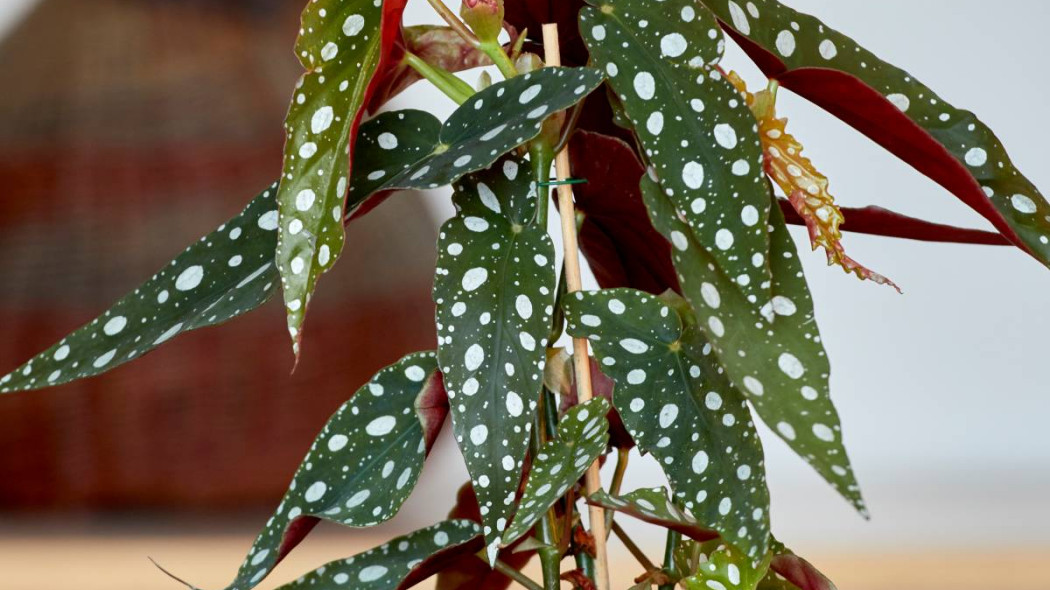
point(581, 357)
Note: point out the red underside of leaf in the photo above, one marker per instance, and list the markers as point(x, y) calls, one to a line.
point(878, 221)
point(468, 572)
point(867, 111)
point(622, 247)
point(800, 572)
point(294, 534)
point(533, 14)
point(442, 560)
point(432, 407)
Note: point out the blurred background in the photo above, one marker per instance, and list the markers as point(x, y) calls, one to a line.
point(129, 128)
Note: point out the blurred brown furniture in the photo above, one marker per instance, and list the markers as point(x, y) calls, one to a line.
point(129, 128)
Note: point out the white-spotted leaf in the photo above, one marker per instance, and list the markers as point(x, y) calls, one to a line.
point(773, 353)
point(726, 568)
point(400, 563)
point(653, 506)
point(362, 466)
point(582, 436)
point(692, 124)
point(678, 405)
point(340, 44)
point(494, 291)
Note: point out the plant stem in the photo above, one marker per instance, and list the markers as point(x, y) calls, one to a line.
point(514, 574)
point(453, 21)
point(550, 557)
point(581, 357)
point(622, 455)
point(631, 546)
point(672, 544)
point(445, 81)
point(542, 156)
point(500, 58)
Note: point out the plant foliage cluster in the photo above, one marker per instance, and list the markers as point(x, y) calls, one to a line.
point(704, 318)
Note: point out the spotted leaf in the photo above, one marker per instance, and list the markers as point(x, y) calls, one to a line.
point(224, 274)
point(902, 114)
point(491, 123)
point(221, 276)
point(363, 464)
point(494, 290)
point(692, 124)
point(402, 563)
point(341, 44)
point(677, 405)
point(583, 434)
point(727, 568)
point(653, 506)
point(773, 354)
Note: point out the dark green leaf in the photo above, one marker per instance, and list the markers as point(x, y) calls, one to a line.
point(727, 569)
point(948, 144)
point(694, 127)
point(221, 276)
point(490, 124)
point(774, 355)
point(401, 563)
point(224, 274)
point(494, 290)
point(678, 405)
point(362, 466)
point(582, 436)
point(653, 506)
point(340, 44)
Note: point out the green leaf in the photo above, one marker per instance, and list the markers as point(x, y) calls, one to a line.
point(490, 124)
point(401, 563)
point(224, 274)
point(362, 466)
point(693, 126)
point(340, 45)
point(727, 569)
point(406, 137)
point(678, 405)
point(494, 290)
point(582, 436)
point(948, 144)
point(774, 355)
point(653, 506)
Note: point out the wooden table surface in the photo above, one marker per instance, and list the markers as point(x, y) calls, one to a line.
point(54, 560)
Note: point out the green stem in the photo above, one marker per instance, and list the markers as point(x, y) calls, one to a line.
point(499, 57)
point(515, 575)
point(550, 557)
point(542, 156)
point(453, 21)
point(622, 455)
point(672, 544)
point(585, 563)
point(633, 547)
point(445, 81)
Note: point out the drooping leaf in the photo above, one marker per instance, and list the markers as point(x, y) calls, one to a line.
point(653, 506)
point(695, 130)
point(470, 573)
point(805, 187)
point(494, 292)
point(224, 274)
point(402, 563)
point(727, 568)
point(678, 405)
point(362, 466)
point(902, 114)
point(796, 571)
point(774, 354)
point(583, 434)
point(883, 222)
point(620, 244)
point(491, 123)
point(341, 44)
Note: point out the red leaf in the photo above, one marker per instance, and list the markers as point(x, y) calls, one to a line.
point(883, 222)
point(800, 572)
point(623, 248)
point(946, 144)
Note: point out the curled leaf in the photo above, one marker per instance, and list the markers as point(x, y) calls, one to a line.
point(804, 185)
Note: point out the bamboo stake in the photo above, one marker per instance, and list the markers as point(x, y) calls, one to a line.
point(581, 357)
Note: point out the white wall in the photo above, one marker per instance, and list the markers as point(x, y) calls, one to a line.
point(941, 391)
